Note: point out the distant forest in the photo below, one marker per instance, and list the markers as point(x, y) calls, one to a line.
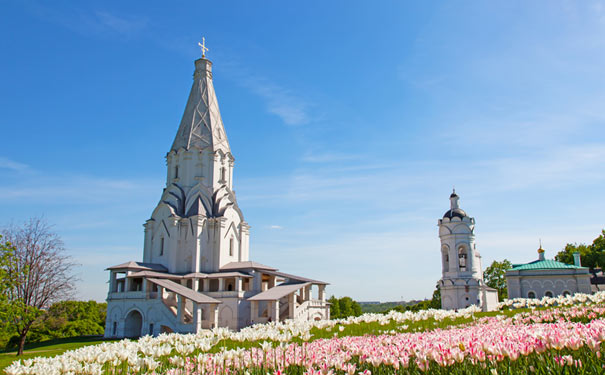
point(385, 307)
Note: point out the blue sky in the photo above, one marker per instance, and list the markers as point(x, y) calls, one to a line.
point(350, 122)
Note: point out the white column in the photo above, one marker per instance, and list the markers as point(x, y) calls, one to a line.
point(308, 293)
point(147, 255)
point(291, 305)
point(253, 311)
point(214, 315)
point(238, 284)
point(322, 293)
point(195, 284)
point(206, 285)
point(197, 317)
point(179, 308)
point(127, 282)
point(112, 282)
point(275, 311)
point(221, 284)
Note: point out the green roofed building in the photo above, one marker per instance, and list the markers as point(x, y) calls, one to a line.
point(547, 278)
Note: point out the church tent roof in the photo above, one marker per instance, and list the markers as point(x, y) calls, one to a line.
point(277, 292)
point(201, 125)
point(244, 265)
point(196, 297)
point(139, 266)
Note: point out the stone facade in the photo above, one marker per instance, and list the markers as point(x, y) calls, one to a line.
point(462, 282)
point(196, 272)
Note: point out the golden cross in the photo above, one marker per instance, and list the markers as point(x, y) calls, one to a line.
point(203, 46)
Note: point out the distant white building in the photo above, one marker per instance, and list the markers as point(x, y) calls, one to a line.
point(462, 282)
point(547, 278)
point(196, 271)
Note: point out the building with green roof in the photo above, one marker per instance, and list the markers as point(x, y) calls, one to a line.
point(547, 278)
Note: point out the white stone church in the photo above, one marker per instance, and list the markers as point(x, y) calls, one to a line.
point(462, 282)
point(196, 271)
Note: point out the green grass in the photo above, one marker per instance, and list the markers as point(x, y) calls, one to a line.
point(48, 348)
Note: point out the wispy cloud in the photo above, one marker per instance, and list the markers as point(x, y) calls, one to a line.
point(275, 227)
point(281, 102)
point(329, 157)
point(13, 165)
point(291, 107)
point(90, 22)
point(69, 188)
point(120, 24)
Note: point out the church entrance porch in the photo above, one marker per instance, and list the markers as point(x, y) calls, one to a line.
point(133, 324)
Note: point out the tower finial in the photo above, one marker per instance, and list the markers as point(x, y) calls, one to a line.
point(541, 251)
point(203, 47)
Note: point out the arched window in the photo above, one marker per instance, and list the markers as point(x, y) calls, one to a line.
point(176, 172)
point(222, 173)
point(161, 246)
point(115, 328)
point(548, 293)
point(230, 287)
point(231, 246)
point(462, 258)
point(566, 293)
point(531, 295)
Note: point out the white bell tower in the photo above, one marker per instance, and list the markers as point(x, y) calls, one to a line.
point(462, 282)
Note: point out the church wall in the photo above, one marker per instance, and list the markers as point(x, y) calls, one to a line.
point(542, 281)
point(153, 311)
point(230, 230)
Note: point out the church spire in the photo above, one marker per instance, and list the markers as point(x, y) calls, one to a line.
point(201, 126)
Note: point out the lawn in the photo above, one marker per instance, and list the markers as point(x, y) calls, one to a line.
point(49, 348)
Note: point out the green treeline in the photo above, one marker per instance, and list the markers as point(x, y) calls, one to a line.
point(343, 307)
point(62, 319)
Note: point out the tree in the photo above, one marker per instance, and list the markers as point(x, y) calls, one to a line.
point(334, 308)
point(42, 273)
point(495, 277)
point(7, 260)
point(343, 307)
point(69, 319)
point(436, 299)
point(346, 306)
point(591, 256)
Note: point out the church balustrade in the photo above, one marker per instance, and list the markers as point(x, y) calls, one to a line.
point(127, 295)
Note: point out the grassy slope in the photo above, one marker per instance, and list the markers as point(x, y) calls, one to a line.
point(48, 348)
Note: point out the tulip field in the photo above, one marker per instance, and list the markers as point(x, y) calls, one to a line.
point(550, 336)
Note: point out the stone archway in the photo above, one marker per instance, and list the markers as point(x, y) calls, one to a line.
point(133, 324)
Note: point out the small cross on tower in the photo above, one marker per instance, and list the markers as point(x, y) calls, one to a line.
point(203, 47)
